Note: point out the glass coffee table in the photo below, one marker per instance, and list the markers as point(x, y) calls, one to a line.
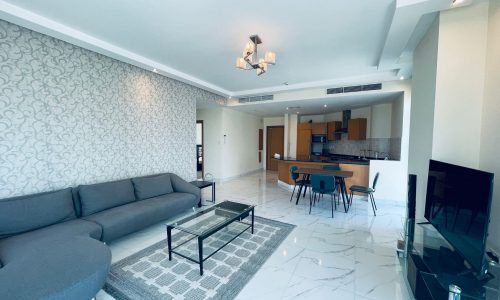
point(209, 230)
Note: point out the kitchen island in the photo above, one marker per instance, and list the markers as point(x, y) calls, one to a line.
point(359, 167)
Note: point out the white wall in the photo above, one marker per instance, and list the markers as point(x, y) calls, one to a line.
point(422, 111)
point(313, 118)
point(392, 184)
point(273, 121)
point(490, 135)
point(212, 129)
point(381, 118)
point(231, 142)
point(199, 134)
point(240, 149)
point(397, 117)
point(291, 135)
point(336, 116)
point(460, 85)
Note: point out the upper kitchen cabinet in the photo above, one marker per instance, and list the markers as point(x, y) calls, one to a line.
point(319, 128)
point(302, 126)
point(332, 127)
point(303, 140)
point(356, 129)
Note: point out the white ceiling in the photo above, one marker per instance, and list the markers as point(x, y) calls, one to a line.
point(315, 106)
point(318, 43)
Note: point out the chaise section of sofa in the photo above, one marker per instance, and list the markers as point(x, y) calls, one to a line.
point(58, 267)
point(43, 247)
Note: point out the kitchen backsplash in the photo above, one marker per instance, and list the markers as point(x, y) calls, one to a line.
point(383, 146)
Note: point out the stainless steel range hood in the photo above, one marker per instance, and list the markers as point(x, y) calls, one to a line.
point(346, 116)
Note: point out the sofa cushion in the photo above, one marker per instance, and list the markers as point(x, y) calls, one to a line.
point(152, 186)
point(122, 220)
point(26, 213)
point(59, 267)
point(20, 245)
point(98, 197)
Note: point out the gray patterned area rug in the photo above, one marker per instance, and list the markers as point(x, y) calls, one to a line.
point(148, 274)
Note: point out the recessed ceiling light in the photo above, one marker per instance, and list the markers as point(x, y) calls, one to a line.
point(287, 108)
point(402, 78)
point(325, 106)
point(155, 70)
point(457, 2)
point(298, 112)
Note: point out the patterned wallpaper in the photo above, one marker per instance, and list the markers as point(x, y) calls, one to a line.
point(70, 116)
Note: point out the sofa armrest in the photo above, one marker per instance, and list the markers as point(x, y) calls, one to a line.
point(182, 186)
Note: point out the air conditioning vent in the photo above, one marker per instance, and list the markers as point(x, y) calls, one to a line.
point(335, 91)
point(354, 88)
point(256, 98)
point(372, 87)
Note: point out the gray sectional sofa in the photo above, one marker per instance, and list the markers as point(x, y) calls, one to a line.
point(51, 244)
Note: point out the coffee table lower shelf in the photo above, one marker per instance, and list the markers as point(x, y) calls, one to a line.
point(238, 219)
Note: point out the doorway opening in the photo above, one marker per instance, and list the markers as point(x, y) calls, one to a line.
point(275, 136)
point(200, 159)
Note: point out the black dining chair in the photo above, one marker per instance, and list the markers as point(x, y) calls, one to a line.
point(366, 190)
point(337, 180)
point(322, 184)
point(295, 178)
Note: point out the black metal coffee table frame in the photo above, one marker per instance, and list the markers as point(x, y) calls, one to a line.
point(238, 217)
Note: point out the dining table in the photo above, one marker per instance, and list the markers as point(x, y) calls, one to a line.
point(341, 175)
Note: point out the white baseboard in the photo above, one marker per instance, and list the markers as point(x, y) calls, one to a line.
point(285, 185)
point(239, 175)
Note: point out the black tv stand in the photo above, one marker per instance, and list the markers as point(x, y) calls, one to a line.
point(432, 265)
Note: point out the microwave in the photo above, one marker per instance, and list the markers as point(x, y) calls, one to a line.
point(319, 139)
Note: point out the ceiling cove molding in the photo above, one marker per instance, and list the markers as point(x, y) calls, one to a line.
point(407, 15)
point(25, 18)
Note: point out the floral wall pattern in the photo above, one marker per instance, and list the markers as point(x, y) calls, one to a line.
point(70, 116)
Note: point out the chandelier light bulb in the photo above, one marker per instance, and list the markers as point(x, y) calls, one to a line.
point(270, 57)
point(249, 48)
point(241, 63)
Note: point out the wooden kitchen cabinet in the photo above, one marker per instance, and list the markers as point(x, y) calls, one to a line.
point(356, 129)
point(303, 126)
point(319, 128)
point(332, 127)
point(303, 142)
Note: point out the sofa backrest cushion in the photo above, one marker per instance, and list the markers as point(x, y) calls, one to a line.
point(101, 196)
point(152, 186)
point(30, 212)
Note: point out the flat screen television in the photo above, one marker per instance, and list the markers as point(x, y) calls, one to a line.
point(458, 205)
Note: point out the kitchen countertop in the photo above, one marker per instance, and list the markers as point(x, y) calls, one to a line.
point(338, 161)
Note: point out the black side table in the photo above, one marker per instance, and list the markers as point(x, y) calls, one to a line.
point(203, 184)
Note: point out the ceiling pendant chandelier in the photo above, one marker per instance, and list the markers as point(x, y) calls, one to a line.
point(250, 59)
